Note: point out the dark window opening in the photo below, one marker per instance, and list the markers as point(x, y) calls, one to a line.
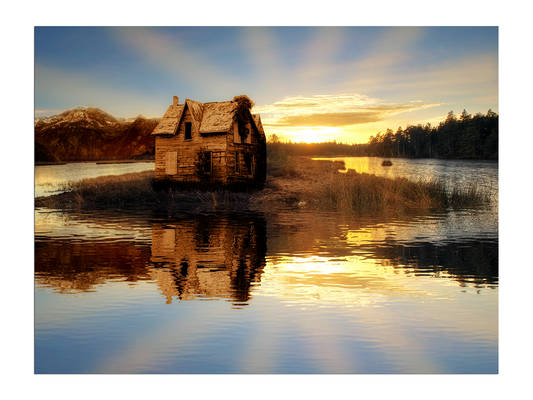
point(243, 131)
point(204, 162)
point(207, 162)
point(188, 130)
point(248, 161)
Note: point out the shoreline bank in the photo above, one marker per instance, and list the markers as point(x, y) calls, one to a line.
point(297, 182)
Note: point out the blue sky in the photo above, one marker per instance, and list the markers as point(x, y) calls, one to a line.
point(308, 83)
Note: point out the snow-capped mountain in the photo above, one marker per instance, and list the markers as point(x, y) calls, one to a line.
point(84, 134)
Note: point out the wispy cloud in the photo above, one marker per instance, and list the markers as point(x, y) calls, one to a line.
point(263, 52)
point(320, 55)
point(382, 56)
point(333, 110)
point(462, 77)
point(177, 59)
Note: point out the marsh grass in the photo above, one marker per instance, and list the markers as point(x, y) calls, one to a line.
point(279, 163)
point(317, 184)
point(364, 192)
point(135, 191)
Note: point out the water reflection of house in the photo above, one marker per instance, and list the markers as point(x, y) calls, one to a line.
point(208, 257)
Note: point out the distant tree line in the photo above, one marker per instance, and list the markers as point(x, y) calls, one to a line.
point(466, 137)
point(276, 147)
point(463, 137)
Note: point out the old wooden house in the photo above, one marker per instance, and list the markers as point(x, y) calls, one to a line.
point(217, 143)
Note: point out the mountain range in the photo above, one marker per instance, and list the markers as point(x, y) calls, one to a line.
point(90, 134)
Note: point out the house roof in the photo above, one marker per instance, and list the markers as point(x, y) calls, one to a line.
point(214, 117)
point(217, 117)
point(169, 123)
point(259, 125)
point(196, 110)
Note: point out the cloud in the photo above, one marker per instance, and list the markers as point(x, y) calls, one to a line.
point(466, 77)
point(390, 50)
point(328, 119)
point(263, 52)
point(330, 67)
point(177, 60)
point(320, 54)
point(333, 110)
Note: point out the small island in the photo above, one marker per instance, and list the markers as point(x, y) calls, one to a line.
point(297, 182)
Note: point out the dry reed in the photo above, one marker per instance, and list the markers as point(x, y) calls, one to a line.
point(365, 192)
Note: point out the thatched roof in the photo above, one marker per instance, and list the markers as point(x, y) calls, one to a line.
point(208, 118)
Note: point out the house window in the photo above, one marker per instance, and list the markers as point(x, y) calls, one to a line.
point(249, 130)
point(248, 161)
point(204, 162)
point(236, 136)
point(237, 163)
point(188, 130)
point(209, 163)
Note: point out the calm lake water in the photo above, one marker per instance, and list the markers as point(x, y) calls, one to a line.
point(290, 292)
point(49, 179)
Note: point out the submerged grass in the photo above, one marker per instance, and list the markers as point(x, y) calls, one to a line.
point(294, 181)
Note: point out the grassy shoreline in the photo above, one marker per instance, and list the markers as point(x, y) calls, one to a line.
point(124, 161)
point(293, 182)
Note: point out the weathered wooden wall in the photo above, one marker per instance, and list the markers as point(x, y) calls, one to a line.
point(236, 144)
point(187, 153)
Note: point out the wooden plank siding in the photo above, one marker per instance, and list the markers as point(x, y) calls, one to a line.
point(171, 167)
point(187, 153)
point(234, 145)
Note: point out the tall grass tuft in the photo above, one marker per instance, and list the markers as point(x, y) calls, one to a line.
point(279, 164)
point(135, 191)
point(364, 192)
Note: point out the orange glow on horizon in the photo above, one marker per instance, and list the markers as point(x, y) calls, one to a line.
point(351, 134)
